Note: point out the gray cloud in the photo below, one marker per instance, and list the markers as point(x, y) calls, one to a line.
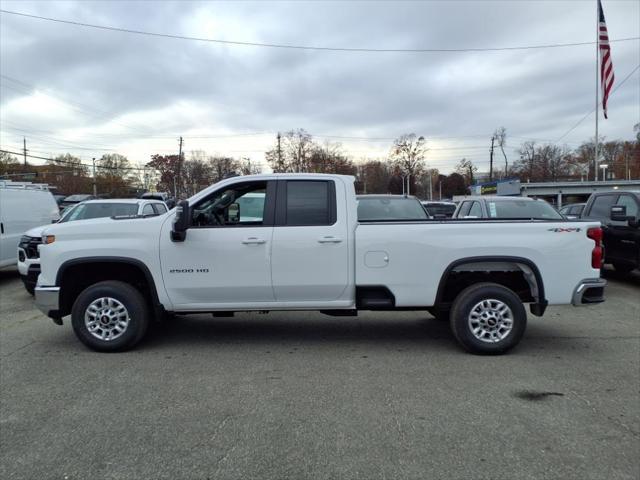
point(168, 87)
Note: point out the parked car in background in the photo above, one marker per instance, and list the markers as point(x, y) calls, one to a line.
point(439, 209)
point(73, 199)
point(28, 256)
point(59, 199)
point(618, 212)
point(389, 207)
point(164, 196)
point(23, 205)
point(513, 208)
point(572, 211)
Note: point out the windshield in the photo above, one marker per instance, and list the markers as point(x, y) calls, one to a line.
point(77, 198)
point(537, 209)
point(86, 211)
point(372, 209)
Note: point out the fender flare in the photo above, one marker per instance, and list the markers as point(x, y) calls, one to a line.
point(108, 259)
point(537, 308)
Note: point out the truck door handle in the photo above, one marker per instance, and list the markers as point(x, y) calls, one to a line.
point(253, 241)
point(329, 239)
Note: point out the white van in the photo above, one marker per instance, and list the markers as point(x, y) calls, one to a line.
point(23, 205)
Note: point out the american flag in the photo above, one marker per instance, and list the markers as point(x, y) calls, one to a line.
point(606, 66)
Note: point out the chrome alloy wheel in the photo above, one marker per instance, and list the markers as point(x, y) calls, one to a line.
point(106, 318)
point(491, 320)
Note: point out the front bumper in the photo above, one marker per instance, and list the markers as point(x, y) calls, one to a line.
point(589, 291)
point(48, 301)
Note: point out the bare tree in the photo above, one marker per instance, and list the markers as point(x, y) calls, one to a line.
point(501, 137)
point(467, 169)
point(373, 176)
point(246, 167)
point(221, 167)
point(408, 153)
point(527, 163)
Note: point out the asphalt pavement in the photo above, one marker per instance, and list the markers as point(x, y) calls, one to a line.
point(306, 396)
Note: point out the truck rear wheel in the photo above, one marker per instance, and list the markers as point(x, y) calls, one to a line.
point(488, 319)
point(110, 316)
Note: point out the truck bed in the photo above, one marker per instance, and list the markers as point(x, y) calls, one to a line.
point(410, 258)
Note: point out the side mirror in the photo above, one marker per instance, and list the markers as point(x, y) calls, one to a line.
point(181, 222)
point(234, 213)
point(619, 213)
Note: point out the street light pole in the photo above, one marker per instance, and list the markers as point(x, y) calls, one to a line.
point(604, 167)
point(95, 187)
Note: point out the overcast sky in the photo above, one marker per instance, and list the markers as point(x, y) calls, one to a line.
point(90, 91)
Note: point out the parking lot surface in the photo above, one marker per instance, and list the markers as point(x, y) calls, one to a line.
point(302, 395)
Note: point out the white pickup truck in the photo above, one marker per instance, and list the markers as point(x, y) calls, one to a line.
point(294, 242)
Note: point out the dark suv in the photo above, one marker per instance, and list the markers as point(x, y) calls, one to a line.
point(619, 213)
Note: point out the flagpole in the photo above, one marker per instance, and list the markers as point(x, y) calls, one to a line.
point(595, 156)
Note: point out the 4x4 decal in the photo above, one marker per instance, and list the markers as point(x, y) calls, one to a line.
point(565, 230)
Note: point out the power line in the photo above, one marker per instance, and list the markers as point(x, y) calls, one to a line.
point(306, 47)
point(75, 164)
point(594, 108)
point(68, 144)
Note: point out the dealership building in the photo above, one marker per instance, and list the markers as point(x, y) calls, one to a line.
point(556, 193)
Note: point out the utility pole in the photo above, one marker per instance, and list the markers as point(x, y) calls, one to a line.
point(493, 138)
point(279, 152)
point(430, 185)
point(24, 150)
point(95, 187)
point(178, 171)
point(440, 190)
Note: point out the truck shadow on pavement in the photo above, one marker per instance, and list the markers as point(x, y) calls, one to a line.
point(286, 330)
point(8, 275)
point(314, 329)
point(632, 278)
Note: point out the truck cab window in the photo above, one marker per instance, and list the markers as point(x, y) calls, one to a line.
point(237, 205)
point(148, 210)
point(476, 210)
point(159, 208)
point(601, 207)
point(464, 209)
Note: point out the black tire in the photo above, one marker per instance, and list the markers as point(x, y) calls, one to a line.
point(31, 289)
point(623, 267)
point(126, 295)
point(465, 303)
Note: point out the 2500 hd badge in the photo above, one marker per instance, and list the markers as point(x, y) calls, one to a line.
point(189, 270)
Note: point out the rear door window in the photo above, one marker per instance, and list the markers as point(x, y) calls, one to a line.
point(309, 202)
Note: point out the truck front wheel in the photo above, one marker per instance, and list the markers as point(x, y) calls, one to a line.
point(488, 319)
point(110, 316)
